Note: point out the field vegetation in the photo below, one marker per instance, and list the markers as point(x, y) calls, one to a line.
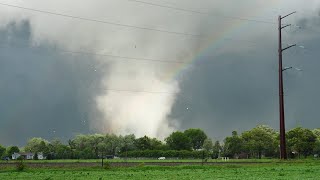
point(303, 169)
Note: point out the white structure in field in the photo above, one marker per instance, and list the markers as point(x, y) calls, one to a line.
point(27, 156)
point(225, 158)
point(161, 158)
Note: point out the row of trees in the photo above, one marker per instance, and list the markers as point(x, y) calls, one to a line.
point(264, 141)
point(261, 141)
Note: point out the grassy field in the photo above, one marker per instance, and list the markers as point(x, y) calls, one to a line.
point(308, 169)
point(141, 160)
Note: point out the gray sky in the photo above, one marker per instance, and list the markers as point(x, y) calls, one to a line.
point(228, 81)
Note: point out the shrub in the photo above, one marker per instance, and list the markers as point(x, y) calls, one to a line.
point(141, 165)
point(20, 166)
point(106, 166)
point(20, 158)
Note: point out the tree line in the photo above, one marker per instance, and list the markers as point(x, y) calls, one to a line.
point(261, 141)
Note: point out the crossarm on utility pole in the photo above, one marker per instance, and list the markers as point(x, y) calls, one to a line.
point(288, 15)
point(285, 26)
point(288, 47)
point(287, 68)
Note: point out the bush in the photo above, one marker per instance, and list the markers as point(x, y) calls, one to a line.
point(106, 165)
point(35, 157)
point(20, 158)
point(20, 166)
point(141, 165)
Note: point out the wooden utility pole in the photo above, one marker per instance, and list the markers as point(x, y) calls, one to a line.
point(283, 151)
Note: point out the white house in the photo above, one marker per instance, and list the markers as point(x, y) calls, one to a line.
point(27, 156)
point(41, 156)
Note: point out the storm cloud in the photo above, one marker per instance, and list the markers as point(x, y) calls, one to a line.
point(229, 82)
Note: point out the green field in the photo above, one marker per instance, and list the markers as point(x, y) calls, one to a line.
point(140, 160)
point(309, 169)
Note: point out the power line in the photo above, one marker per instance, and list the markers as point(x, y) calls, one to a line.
point(139, 91)
point(198, 36)
point(98, 54)
point(204, 13)
point(135, 91)
point(100, 21)
point(128, 58)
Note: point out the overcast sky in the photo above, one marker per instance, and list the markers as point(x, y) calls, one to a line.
point(227, 81)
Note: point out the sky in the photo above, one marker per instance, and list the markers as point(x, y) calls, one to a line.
point(152, 67)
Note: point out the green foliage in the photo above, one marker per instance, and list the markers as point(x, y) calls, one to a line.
point(20, 165)
point(259, 141)
point(37, 145)
point(20, 158)
point(57, 150)
point(233, 145)
point(106, 165)
point(143, 143)
point(127, 143)
point(35, 157)
point(197, 137)
point(216, 150)
point(301, 140)
point(316, 149)
point(141, 165)
point(289, 170)
point(179, 141)
point(316, 132)
point(183, 154)
point(208, 145)
point(2, 151)
point(12, 149)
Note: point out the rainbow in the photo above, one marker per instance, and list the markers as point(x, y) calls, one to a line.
point(217, 40)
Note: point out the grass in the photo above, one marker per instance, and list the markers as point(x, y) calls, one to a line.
point(142, 160)
point(308, 169)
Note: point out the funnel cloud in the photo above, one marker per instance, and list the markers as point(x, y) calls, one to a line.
point(57, 80)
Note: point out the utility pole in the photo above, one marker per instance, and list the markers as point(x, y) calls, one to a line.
point(283, 151)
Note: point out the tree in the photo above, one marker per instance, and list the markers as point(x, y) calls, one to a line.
point(179, 141)
point(12, 149)
point(57, 150)
point(233, 145)
point(259, 141)
point(301, 140)
point(2, 151)
point(197, 137)
point(216, 150)
point(37, 145)
point(113, 144)
point(94, 140)
point(143, 143)
point(85, 146)
point(35, 157)
point(208, 145)
point(316, 149)
point(127, 143)
point(156, 144)
point(316, 132)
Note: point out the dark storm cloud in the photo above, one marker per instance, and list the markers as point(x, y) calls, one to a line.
point(43, 93)
point(47, 93)
point(239, 91)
